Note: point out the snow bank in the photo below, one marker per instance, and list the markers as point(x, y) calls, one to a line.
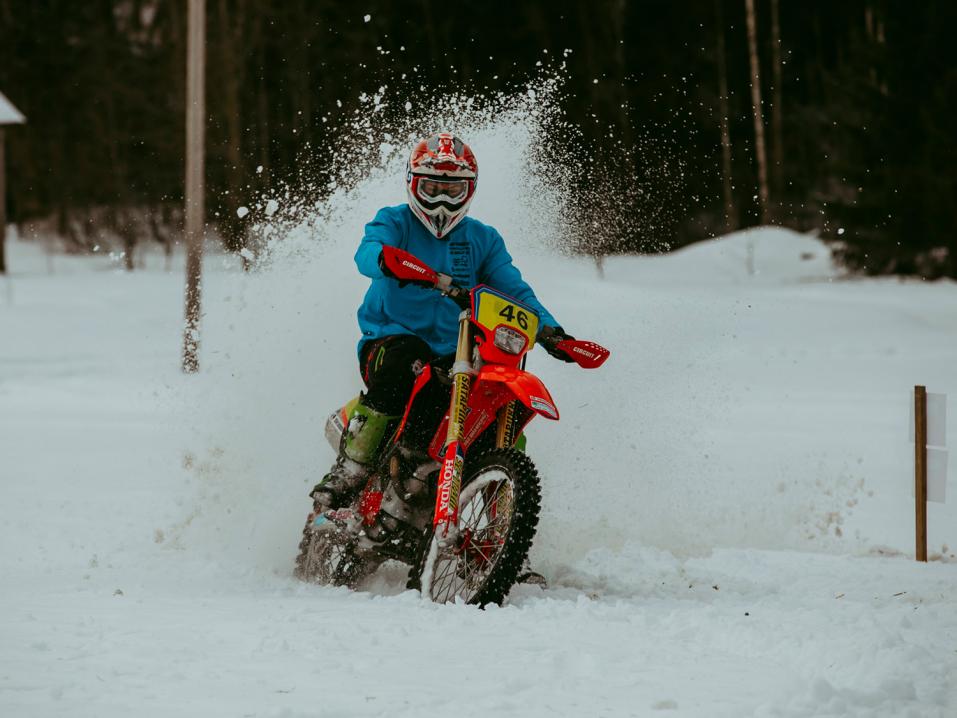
point(762, 255)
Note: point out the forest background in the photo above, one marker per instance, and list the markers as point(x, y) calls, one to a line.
point(854, 137)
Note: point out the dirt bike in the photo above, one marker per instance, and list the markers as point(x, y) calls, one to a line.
point(458, 503)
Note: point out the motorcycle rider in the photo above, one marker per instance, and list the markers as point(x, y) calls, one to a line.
point(404, 326)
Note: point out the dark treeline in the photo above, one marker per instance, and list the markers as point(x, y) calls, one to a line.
point(857, 99)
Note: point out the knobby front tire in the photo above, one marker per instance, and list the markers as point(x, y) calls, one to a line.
point(498, 514)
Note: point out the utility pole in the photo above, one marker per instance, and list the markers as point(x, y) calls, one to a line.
point(195, 185)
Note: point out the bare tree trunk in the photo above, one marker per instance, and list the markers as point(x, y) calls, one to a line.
point(3, 206)
point(730, 214)
point(158, 218)
point(262, 102)
point(298, 69)
point(758, 113)
point(127, 230)
point(777, 113)
point(232, 31)
point(120, 214)
point(619, 13)
point(169, 218)
point(195, 184)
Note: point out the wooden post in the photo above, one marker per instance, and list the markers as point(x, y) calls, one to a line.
point(920, 470)
point(195, 186)
point(3, 207)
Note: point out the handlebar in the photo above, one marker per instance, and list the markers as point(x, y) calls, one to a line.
point(460, 295)
point(406, 267)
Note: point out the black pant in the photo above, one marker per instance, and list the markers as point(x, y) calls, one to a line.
point(389, 367)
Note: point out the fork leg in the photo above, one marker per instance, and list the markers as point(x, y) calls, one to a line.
point(453, 461)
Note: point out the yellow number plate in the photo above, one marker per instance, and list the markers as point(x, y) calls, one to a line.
point(494, 309)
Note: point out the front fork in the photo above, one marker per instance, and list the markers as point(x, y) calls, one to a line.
point(453, 459)
point(445, 521)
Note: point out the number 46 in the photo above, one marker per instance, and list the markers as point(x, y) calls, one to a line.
point(521, 318)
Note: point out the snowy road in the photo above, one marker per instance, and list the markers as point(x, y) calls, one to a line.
point(150, 521)
point(782, 634)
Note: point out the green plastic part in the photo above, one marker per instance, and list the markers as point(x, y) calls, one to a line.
point(364, 433)
point(521, 442)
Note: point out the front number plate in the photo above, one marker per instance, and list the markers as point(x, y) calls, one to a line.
point(494, 310)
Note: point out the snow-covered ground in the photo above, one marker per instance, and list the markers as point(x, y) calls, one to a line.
point(727, 524)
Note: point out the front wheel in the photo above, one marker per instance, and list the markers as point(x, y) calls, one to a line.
point(498, 514)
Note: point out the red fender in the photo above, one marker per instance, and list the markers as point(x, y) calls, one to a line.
point(420, 381)
point(526, 387)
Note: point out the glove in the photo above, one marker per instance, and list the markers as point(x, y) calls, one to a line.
point(550, 337)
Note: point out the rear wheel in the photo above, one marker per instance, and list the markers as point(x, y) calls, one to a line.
point(498, 514)
point(328, 556)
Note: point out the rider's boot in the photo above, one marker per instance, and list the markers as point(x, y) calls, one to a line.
point(360, 443)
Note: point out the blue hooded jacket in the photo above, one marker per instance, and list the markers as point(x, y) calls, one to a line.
point(472, 253)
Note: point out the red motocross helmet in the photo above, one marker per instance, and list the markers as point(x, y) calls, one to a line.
point(441, 181)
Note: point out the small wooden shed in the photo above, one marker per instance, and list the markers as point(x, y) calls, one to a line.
point(9, 115)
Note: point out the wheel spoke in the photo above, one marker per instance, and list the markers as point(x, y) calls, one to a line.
point(448, 574)
point(485, 515)
point(328, 559)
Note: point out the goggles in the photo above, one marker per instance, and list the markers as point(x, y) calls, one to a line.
point(453, 191)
